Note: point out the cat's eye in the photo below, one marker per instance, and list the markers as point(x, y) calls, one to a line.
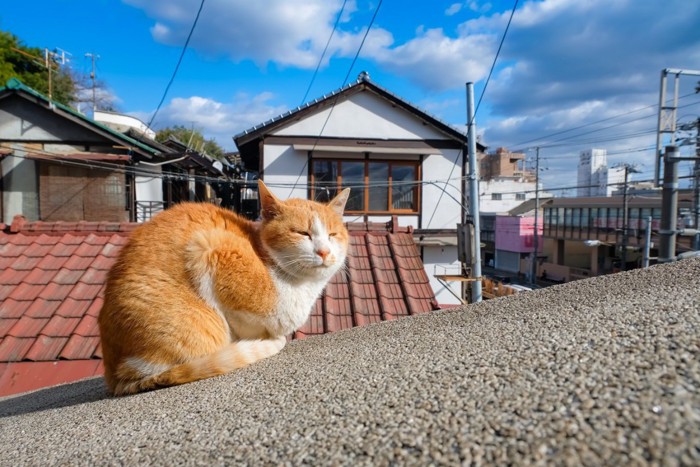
point(332, 234)
point(303, 233)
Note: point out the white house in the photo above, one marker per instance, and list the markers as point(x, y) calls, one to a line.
point(399, 161)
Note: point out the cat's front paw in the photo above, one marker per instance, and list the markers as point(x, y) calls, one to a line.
point(279, 342)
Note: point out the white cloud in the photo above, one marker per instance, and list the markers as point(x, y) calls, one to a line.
point(217, 120)
point(453, 9)
point(284, 32)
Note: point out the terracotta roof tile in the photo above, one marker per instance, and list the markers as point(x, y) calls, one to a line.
point(87, 327)
point(10, 308)
point(26, 263)
point(39, 277)
point(95, 306)
point(94, 276)
point(52, 287)
point(53, 291)
point(80, 347)
point(59, 326)
point(51, 262)
point(13, 349)
point(40, 308)
point(63, 249)
point(45, 348)
point(12, 277)
point(71, 308)
point(37, 250)
point(85, 291)
point(28, 327)
point(67, 277)
point(26, 292)
point(78, 263)
point(6, 324)
point(5, 291)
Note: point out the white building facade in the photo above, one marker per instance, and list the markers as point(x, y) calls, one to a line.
point(595, 178)
point(398, 161)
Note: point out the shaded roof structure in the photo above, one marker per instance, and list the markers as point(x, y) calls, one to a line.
point(15, 88)
point(53, 277)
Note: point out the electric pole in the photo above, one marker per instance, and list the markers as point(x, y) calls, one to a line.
point(474, 195)
point(535, 243)
point(625, 213)
point(696, 187)
point(94, 82)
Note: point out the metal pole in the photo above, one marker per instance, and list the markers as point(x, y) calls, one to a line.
point(474, 194)
point(625, 221)
point(533, 273)
point(669, 206)
point(659, 128)
point(647, 244)
point(696, 188)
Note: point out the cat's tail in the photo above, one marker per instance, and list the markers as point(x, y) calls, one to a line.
point(235, 355)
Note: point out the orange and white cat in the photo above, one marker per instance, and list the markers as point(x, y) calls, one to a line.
point(199, 291)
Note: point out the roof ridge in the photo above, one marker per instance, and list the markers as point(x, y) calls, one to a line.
point(20, 224)
point(362, 80)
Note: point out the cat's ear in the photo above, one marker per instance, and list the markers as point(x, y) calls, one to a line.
point(338, 203)
point(269, 204)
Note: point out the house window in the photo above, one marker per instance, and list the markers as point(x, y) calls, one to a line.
point(496, 196)
point(376, 186)
point(520, 196)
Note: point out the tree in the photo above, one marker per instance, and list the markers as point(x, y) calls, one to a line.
point(28, 64)
point(193, 138)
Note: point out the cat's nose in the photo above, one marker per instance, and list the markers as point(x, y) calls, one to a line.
point(323, 253)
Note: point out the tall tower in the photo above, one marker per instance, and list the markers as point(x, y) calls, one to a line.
point(592, 177)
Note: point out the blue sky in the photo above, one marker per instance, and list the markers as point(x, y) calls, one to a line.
point(564, 64)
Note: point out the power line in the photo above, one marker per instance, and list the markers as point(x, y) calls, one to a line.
point(598, 121)
point(320, 60)
point(337, 96)
point(177, 67)
point(495, 59)
point(483, 91)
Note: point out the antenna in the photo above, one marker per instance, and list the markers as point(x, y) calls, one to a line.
point(94, 83)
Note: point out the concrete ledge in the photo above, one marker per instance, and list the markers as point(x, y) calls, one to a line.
point(604, 371)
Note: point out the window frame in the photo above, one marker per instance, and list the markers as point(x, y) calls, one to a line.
point(366, 195)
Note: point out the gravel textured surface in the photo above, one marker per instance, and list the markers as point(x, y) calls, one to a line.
point(601, 371)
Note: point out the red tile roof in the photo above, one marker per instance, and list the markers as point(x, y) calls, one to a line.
point(51, 285)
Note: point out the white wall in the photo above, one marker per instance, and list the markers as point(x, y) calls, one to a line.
point(285, 167)
point(442, 210)
point(363, 115)
point(19, 188)
point(149, 188)
point(442, 256)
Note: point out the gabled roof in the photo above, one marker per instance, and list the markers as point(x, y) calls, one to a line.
point(52, 278)
point(362, 83)
point(15, 86)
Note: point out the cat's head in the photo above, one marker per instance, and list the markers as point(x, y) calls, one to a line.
point(304, 238)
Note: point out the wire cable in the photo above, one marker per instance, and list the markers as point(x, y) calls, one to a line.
point(177, 67)
point(320, 60)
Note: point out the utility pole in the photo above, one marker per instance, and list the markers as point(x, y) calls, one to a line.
point(696, 187)
point(535, 243)
point(667, 115)
point(647, 244)
point(625, 213)
point(94, 82)
point(669, 206)
point(474, 195)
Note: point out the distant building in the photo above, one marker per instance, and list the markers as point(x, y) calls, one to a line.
point(594, 176)
point(504, 182)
